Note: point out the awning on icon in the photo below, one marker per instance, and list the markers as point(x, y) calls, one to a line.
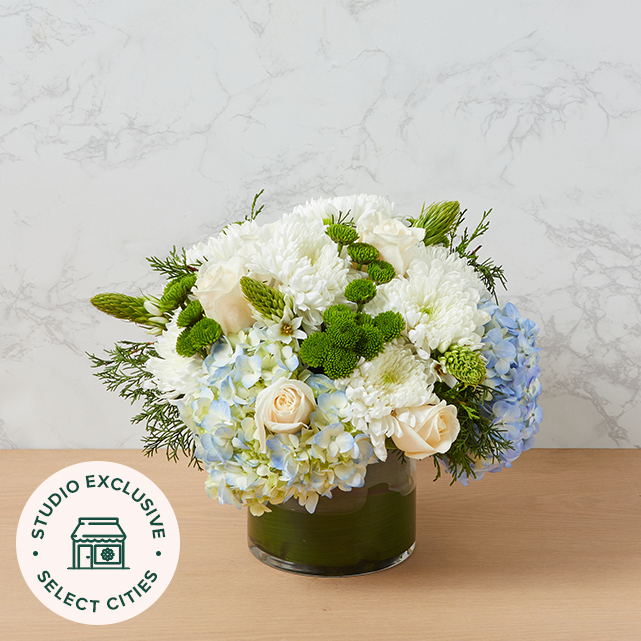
point(98, 542)
point(99, 530)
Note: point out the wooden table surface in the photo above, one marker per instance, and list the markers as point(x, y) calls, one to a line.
point(547, 550)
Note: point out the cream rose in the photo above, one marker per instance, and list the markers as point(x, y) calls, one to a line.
point(283, 407)
point(426, 430)
point(392, 238)
point(218, 290)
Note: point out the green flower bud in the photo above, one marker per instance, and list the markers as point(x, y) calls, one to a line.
point(191, 314)
point(464, 364)
point(339, 363)
point(314, 349)
point(342, 234)
point(437, 221)
point(360, 291)
point(345, 334)
point(371, 343)
point(266, 300)
point(381, 271)
point(337, 313)
point(390, 323)
point(122, 306)
point(362, 253)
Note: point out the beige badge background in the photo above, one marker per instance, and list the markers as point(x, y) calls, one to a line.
point(55, 550)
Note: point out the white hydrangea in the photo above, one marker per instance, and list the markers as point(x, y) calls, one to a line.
point(395, 378)
point(438, 299)
point(174, 375)
point(302, 262)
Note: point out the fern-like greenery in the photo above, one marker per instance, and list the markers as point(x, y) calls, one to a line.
point(478, 438)
point(124, 371)
point(489, 272)
point(174, 266)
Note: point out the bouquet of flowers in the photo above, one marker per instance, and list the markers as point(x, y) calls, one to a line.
point(291, 355)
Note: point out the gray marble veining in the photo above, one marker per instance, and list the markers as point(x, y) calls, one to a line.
point(130, 127)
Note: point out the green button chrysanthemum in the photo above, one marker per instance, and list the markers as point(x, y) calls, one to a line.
point(345, 334)
point(381, 271)
point(337, 313)
point(191, 314)
point(360, 291)
point(339, 363)
point(314, 349)
point(371, 343)
point(362, 253)
point(390, 323)
point(342, 234)
point(176, 292)
point(464, 364)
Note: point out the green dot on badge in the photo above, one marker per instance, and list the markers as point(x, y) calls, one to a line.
point(35, 553)
point(157, 553)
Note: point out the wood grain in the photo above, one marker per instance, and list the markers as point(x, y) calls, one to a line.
point(550, 549)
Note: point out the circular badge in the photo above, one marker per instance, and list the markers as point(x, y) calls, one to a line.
point(98, 543)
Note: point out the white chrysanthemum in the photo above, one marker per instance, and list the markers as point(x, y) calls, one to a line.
point(358, 205)
point(303, 261)
point(395, 378)
point(234, 240)
point(174, 375)
point(438, 299)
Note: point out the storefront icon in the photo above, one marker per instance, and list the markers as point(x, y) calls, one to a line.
point(98, 544)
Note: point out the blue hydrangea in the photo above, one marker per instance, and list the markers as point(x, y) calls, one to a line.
point(513, 373)
point(327, 454)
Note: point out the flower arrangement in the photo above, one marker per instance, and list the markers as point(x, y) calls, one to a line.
point(291, 355)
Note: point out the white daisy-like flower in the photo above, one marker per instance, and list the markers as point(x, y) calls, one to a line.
point(358, 205)
point(303, 263)
point(395, 378)
point(235, 240)
point(438, 299)
point(173, 375)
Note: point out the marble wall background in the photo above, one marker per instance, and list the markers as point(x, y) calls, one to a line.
point(129, 126)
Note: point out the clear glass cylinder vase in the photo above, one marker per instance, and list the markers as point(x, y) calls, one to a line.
point(368, 529)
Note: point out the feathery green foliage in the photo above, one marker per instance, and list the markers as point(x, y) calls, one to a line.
point(478, 438)
point(489, 272)
point(124, 371)
point(174, 266)
point(253, 214)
